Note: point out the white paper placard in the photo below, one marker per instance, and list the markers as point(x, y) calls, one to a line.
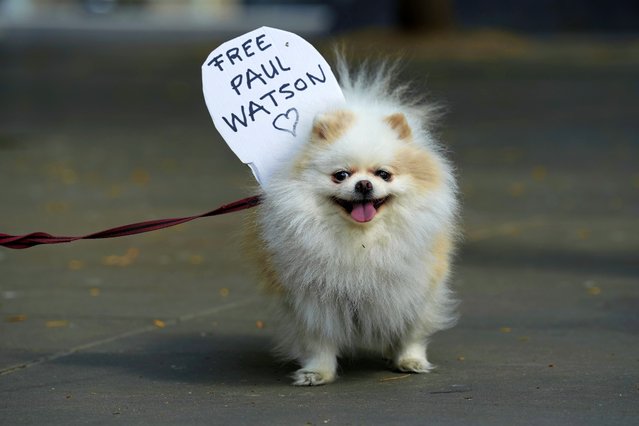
point(263, 90)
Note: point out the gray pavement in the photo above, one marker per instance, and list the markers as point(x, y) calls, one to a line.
point(169, 328)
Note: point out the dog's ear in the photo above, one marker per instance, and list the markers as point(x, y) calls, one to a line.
point(398, 123)
point(330, 126)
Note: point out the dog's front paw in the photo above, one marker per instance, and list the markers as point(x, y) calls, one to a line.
point(414, 365)
point(304, 377)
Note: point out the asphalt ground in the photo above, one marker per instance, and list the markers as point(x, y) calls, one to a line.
point(169, 327)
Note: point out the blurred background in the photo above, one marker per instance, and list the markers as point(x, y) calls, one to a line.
point(319, 16)
point(79, 78)
point(102, 119)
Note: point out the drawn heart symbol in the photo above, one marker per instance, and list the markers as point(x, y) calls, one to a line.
point(287, 122)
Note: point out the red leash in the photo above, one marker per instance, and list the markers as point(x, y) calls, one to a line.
point(36, 238)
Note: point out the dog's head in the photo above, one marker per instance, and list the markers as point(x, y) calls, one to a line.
point(366, 166)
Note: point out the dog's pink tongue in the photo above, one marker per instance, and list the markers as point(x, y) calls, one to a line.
point(363, 212)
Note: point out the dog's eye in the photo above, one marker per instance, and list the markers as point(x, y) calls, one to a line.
point(384, 175)
point(340, 176)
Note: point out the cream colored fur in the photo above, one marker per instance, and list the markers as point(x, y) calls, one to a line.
point(338, 285)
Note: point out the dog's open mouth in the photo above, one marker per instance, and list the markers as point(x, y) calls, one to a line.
point(361, 210)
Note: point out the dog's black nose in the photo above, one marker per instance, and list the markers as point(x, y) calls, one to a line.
point(363, 187)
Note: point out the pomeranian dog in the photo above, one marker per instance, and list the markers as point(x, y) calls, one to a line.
point(354, 237)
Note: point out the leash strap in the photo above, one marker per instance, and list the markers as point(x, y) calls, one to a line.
point(37, 238)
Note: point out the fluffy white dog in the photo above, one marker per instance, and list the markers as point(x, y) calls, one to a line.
point(354, 237)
